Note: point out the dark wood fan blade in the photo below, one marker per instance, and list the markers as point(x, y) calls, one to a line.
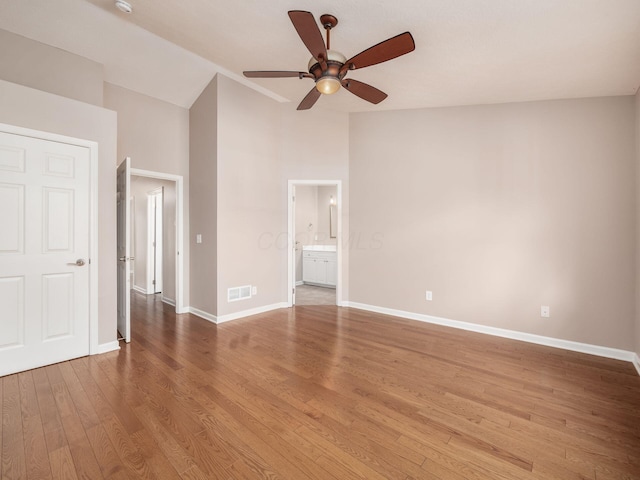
point(383, 51)
point(273, 74)
point(364, 91)
point(309, 32)
point(310, 100)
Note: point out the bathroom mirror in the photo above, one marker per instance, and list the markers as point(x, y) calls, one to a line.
point(333, 221)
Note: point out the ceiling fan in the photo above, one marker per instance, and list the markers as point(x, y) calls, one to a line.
point(328, 68)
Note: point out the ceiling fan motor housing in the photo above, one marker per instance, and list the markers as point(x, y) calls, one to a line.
point(335, 60)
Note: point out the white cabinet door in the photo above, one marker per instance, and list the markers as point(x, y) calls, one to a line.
point(321, 271)
point(308, 270)
point(332, 272)
point(44, 252)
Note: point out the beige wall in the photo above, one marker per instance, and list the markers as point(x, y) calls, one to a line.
point(140, 188)
point(155, 134)
point(203, 118)
point(637, 105)
point(34, 64)
point(324, 194)
point(250, 202)
point(26, 107)
point(498, 210)
point(306, 212)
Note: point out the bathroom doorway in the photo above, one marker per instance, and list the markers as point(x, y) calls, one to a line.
point(315, 250)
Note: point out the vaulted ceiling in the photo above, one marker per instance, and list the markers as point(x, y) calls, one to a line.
point(467, 51)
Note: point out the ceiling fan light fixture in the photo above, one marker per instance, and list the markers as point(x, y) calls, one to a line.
point(328, 85)
point(124, 6)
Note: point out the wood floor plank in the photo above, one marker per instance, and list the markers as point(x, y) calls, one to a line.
point(35, 447)
point(13, 453)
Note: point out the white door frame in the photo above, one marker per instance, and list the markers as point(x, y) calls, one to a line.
point(291, 223)
point(180, 307)
point(93, 217)
point(154, 244)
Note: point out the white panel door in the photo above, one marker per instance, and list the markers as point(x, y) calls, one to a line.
point(44, 252)
point(124, 248)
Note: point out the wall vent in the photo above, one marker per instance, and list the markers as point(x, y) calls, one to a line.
point(238, 293)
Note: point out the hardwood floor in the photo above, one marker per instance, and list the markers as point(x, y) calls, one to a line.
point(320, 393)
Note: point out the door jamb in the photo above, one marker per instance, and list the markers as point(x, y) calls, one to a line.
point(152, 245)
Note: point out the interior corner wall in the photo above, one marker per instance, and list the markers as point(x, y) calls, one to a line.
point(261, 145)
point(203, 191)
point(499, 209)
point(26, 107)
point(637, 112)
point(43, 67)
point(155, 134)
point(325, 193)
point(250, 201)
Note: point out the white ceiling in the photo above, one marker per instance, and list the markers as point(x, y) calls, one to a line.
point(467, 51)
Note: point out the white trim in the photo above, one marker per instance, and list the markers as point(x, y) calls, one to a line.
point(299, 282)
point(291, 233)
point(202, 314)
point(180, 306)
point(252, 311)
point(154, 262)
point(500, 332)
point(169, 301)
point(237, 315)
point(108, 347)
point(139, 290)
point(93, 216)
point(636, 362)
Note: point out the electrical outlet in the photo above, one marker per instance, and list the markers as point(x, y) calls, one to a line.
point(254, 290)
point(429, 295)
point(544, 311)
point(199, 238)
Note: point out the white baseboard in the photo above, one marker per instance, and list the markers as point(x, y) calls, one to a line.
point(202, 314)
point(108, 347)
point(252, 311)
point(636, 362)
point(298, 283)
point(235, 316)
point(512, 334)
point(139, 289)
point(169, 301)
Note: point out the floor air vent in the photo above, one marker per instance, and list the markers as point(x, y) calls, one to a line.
point(238, 293)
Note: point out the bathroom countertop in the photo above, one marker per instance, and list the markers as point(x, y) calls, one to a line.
point(319, 248)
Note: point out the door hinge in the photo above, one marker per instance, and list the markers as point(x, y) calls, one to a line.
point(293, 290)
point(154, 282)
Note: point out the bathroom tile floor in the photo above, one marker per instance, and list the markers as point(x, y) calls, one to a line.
point(311, 295)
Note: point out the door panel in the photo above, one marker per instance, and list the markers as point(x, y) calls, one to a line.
point(58, 222)
point(11, 219)
point(44, 291)
point(12, 301)
point(57, 305)
point(124, 248)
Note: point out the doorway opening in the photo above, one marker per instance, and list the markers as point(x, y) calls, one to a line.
point(153, 237)
point(152, 231)
point(314, 242)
